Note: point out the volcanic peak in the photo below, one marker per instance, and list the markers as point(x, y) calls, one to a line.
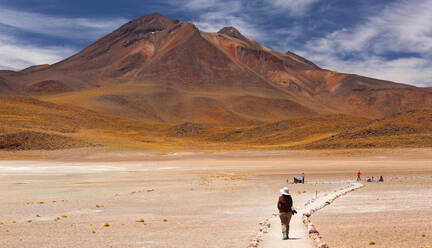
point(232, 32)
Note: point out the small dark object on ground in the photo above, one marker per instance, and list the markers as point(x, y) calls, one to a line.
point(297, 180)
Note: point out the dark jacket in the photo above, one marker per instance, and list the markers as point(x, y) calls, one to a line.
point(285, 204)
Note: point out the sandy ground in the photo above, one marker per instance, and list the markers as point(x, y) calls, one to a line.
point(197, 200)
point(396, 213)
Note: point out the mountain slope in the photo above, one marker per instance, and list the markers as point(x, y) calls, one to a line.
point(408, 129)
point(160, 70)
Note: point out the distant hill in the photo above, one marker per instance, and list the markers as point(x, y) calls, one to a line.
point(409, 129)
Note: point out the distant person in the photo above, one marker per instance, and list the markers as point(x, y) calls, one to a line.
point(303, 177)
point(358, 175)
point(286, 211)
point(381, 179)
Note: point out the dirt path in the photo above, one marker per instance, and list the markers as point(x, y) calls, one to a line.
point(299, 232)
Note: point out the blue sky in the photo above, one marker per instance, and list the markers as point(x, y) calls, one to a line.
point(385, 39)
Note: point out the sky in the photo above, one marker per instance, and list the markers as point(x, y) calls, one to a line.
point(385, 39)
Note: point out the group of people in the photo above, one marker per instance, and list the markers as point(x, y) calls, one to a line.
point(285, 203)
point(370, 179)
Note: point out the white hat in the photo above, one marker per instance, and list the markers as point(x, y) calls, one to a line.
point(285, 191)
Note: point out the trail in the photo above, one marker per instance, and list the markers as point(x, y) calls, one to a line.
point(299, 233)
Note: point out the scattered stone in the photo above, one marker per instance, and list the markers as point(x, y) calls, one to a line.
point(64, 216)
point(29, 221)
point(106, 224)
point(165, 220)
point(372, 242)
point(140, 220)
point(323, 245)
point(1, 222)
point(93, 231)
point(98, 206)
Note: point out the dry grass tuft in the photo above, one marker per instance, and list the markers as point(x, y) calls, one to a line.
point(1, 222)
point(165, 220)
point(140, 220)
point(64, 216)
point(29, 221)
point(106, 224)
point(372, 242)
point(98, 205)
point(93, 231)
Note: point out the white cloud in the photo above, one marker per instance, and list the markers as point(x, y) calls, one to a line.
point(294, 7)
point(214, 15)
point(15, 55)
point(77, 28)
point(402, 27)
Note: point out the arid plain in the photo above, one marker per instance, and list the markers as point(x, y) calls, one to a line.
point(154, 199)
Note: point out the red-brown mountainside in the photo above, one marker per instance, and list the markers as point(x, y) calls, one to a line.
point(157, 69)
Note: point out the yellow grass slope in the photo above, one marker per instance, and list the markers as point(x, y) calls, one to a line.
point(28, 124)
point(409, 129)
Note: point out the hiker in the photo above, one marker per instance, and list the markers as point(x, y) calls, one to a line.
point(381, 179)
point(303, 177)
point(286, 211)
point(358, 175)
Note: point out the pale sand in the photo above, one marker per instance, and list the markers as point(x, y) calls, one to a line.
point(209, 200)
point(396, 213)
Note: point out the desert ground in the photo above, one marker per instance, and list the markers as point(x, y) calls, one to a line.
point(98, 198)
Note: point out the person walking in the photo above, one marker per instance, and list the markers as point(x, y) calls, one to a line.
point(285, 206)
point(358, 175)
point(303, 177)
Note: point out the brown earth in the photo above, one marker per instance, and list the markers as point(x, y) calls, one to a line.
point(28, 123)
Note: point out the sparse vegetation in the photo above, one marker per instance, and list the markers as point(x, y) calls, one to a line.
point(26, 123)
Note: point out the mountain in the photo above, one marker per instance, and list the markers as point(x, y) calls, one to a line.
point(160, 70)
point(158, 83)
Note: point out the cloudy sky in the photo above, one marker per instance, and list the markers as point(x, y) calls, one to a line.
point(385, 39)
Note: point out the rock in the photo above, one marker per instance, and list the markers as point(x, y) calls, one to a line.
point(323, 245)
point(312, 229)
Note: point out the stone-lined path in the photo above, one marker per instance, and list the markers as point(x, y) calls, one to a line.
point(299, 234)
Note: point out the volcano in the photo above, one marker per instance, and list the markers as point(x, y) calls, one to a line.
point(159, 70)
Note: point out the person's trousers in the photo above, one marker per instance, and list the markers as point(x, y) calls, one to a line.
point(285, 220)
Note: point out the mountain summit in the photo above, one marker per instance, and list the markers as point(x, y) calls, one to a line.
point(157, 69)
